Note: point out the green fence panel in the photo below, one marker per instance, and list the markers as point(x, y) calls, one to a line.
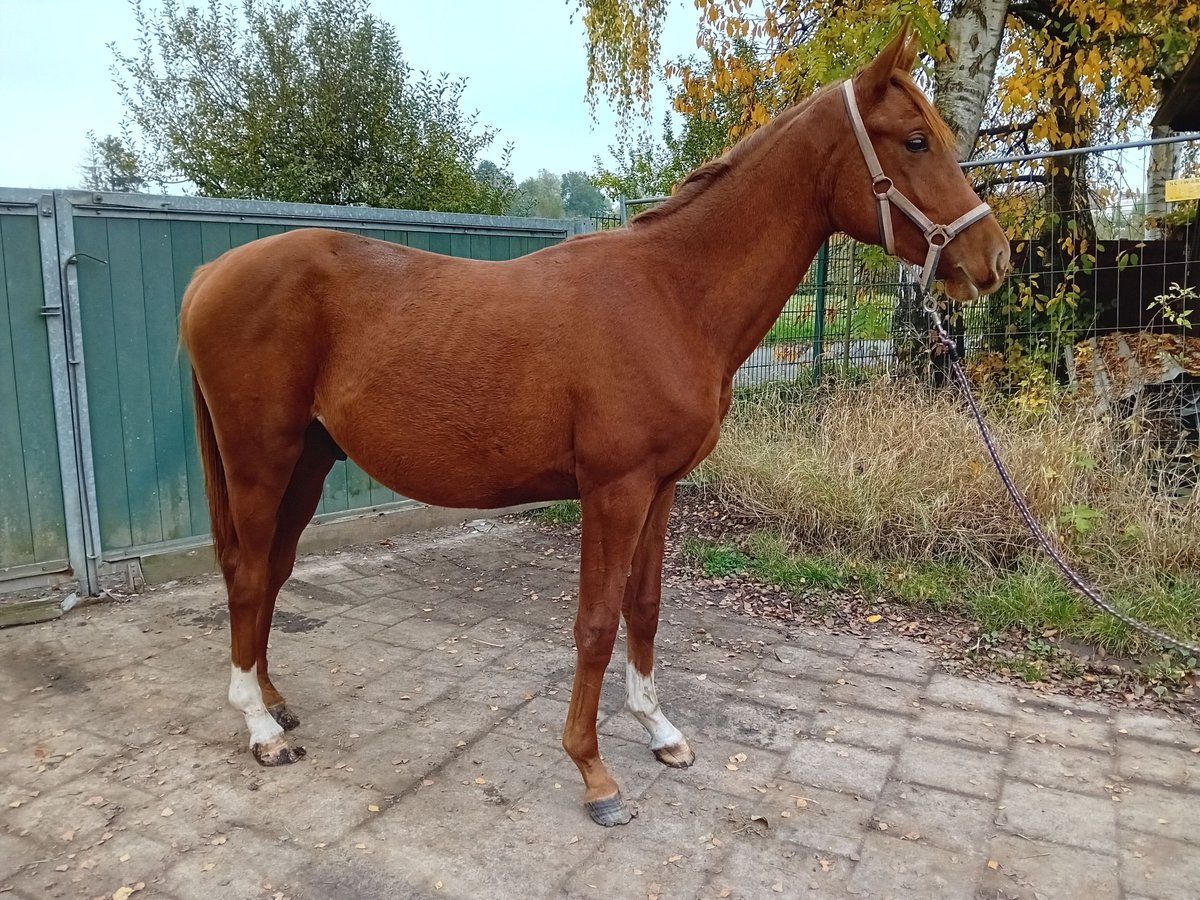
point(149, 481)
point(33, 525)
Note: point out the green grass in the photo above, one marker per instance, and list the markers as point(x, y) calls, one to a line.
point(1029, 599)
point(869, 318)
point(561, 512)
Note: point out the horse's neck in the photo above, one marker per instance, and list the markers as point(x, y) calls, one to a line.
point(743, 244)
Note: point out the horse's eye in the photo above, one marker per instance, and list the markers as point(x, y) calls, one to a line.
point(916, 144)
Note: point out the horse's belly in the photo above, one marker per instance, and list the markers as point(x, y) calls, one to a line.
point(448, 470)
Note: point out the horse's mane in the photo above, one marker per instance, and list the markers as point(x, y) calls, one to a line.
point(715, 171)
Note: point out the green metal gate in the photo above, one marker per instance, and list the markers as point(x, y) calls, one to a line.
point(123, 420)
point(33, 521)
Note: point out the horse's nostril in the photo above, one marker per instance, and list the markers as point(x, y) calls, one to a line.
point(1002, 262)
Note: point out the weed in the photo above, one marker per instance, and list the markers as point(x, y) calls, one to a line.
point(561, 512)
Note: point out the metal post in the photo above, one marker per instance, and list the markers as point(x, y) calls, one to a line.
point(85, 489)
point(822, 276)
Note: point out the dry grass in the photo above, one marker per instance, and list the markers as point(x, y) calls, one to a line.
point(887, 472)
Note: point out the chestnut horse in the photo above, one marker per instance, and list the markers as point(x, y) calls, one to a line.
point(599, 369)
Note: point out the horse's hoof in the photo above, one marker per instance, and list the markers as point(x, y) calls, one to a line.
point(609, 811)
point(285, 717)
point(276, 753)
point(677, 756)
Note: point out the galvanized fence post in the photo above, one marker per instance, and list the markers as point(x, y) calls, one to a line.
point(821, 278)
point(84, 470)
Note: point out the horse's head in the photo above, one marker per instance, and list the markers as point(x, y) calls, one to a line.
point(899, 183)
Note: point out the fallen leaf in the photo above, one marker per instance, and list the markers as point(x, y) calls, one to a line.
point(738, 758)
point(874, 618)
point(825, 864)
point(481, 780)
point(777, 887)
point(762, 819)
point(218, 839)
point(437, 885)
point(167, 811)
point(371, 807)
point(360, 846)
point(124, 857)
point(993, 864)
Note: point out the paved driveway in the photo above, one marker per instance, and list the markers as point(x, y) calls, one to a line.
point(432, 678)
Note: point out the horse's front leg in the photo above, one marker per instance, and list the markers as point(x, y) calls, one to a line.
point(613, 518)
point(641, 607)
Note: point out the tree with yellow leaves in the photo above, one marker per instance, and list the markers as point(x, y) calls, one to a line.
point(1021, 76)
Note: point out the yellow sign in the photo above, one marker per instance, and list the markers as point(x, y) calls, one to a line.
point(1183, 189)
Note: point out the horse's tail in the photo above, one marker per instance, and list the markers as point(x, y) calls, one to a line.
point(223, 534)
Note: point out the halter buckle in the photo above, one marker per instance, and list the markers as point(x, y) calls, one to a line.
point(881, 192)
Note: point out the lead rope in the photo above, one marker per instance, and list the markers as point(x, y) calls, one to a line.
point(1052, 550)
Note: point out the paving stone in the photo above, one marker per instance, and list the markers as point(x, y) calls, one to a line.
point(719, 768)
point(771, 868)
point(539, 720)
point(1067, 768)
point(838, 767)
point(926, 815)
point(907, 664)
point(966, 694)
point(894, 868)
point(1153, 866)
point(967, 771)
point(421, 633)
point(1031, 870)
point(978, 730)
point(238, 868)
point(783, 691)
point(868, 728)
point(15, 854)
point(853, 689)
point(675, 822)
point(1166, 765)
point(823, 642)
point(827, 821)
point(409, 687)
point(1160, 728)
point(1095, 733)
point(1063, 817)
point(757, 726)
point(1166, 812)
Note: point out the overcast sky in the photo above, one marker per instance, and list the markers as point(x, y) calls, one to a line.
point(523, 60)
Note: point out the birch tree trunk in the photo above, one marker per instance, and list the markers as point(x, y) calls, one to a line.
point(1159, 172)
point(962, 82)
point(961, 86)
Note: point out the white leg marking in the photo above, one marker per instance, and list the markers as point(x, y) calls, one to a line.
point(641, 699)
point(246, 695)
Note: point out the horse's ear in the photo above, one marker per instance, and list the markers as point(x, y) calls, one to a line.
point(901, 52)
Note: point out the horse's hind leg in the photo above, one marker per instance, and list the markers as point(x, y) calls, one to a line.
point(258, 480)
point(643, 592)
point(299, 503)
